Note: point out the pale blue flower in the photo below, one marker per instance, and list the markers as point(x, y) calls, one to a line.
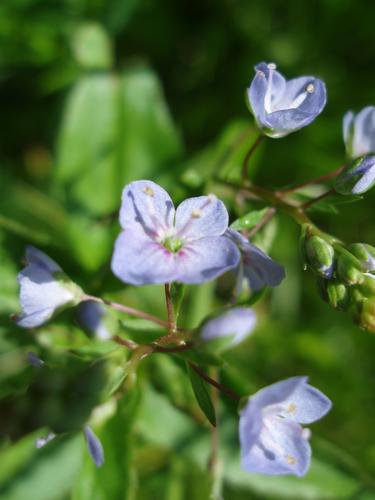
point(358, 177)
point(44, 289)
point(235, 324)
point(160, 244)
point(282, 106)
point(94, 446)
point(359, 132)
point(255, 266)
point(272, 440)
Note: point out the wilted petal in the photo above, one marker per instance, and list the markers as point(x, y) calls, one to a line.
point(205, 259)
point(305, 404)
point(201, 217)
point(149, 205)
point(139, 260)
point(237, 322)
point(94, 446)
point(281, 449)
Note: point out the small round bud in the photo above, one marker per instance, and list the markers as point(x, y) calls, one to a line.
point(319, 255)
point(365, 254)
point(349, 268)
point(335, 293)
point(365, 317)
point(358, 177)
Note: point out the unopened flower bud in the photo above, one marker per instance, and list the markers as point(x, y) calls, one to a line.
point(349, 268)
point(319, 255)
point(358, 177)
point(335, 293)
point(367, 287)
point(365, 317)
point(365, 254)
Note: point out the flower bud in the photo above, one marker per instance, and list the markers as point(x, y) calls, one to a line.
point(367, 287)
point(349, 268)
point(358, 177)
point(319, 255)
point(335, 293)
point(365, 317)
point(359, 132)
point(365, 254)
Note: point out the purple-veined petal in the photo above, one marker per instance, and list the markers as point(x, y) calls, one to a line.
point(148, 205)
point(274, 394)
point(281, 449)
point(305, 404)
point(94, 446)
point(35, 256)
point(139, 260)
point(237, 322)
point(205, 259)
point(201, 217)
point(256, 94)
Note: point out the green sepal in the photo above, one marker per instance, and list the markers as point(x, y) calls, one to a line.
point(202, 395)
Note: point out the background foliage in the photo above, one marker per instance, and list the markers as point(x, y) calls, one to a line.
point(97, 93)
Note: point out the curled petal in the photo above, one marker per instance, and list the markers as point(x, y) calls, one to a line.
point(148, 205)
point(94, 446)
point(305, 404)
point(139, 260)
point(201, 217)
point(205, 259)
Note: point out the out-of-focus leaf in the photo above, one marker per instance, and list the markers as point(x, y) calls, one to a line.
point(28, 473)
point(249, 220)
point(202, 395)
point(92, 47)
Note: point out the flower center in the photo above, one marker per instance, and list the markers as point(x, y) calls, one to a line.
point(173, 244)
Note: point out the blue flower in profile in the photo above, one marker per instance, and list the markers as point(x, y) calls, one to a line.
point(160, 244)
point(233, 325)
point(255, 266)
point(359, 132)
point(44, 289)
point(283, 106)
point(272, 439)
point(358, 177)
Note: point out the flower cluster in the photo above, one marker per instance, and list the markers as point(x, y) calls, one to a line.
point(346, 275)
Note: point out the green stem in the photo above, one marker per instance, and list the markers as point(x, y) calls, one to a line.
point(318, 180)
point(249, 154)
point(170, 312)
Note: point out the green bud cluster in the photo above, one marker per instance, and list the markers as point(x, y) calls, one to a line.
point(345, 274)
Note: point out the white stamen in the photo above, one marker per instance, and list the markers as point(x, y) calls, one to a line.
point(298, 100)
point(271, 66)
point(310, 88)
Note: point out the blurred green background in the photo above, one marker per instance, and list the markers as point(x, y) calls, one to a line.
point(97, 93)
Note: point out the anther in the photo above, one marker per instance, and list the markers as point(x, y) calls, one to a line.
point(196, 214)
point(291, 460)
point(261, 73)
point(271, 66)
point(310, 88)
point(149, 191)
point(291, 408)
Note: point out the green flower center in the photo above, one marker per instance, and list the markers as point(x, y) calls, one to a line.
point(172, 244)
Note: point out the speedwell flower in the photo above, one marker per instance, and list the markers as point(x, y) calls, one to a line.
point(45, 289)
point(282, 106)
point(271, 437)
point(160, 244)
point(358, 177)
point(359, 132)
point(235, 324)
point(255, 266)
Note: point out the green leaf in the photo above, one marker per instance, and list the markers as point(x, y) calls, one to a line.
point(202, 395)
point(29, 474)
point(249, 220)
